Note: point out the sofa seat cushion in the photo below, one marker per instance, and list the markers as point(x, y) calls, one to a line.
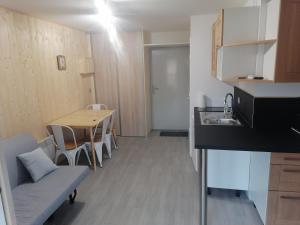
point(35, 202)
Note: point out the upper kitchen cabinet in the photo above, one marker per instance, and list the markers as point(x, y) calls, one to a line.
point(288, 50)
point(259, 41)
point(217, 41)
point(235, 25)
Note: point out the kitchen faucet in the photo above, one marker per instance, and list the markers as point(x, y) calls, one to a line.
point(228, 109)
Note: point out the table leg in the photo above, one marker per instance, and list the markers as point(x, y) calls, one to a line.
point(93, 148)
point(203, 188)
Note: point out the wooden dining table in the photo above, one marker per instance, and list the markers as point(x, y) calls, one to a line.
point(84, 119)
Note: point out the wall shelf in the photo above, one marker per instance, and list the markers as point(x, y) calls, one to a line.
point(238, 80)
point(168, 45)
point(87, 74)
point(248, 43)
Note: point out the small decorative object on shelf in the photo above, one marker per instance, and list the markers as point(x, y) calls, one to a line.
point(61, 62)
point(251, 77)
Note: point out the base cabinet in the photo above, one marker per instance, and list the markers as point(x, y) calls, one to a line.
point(259, 182)
point(228, 169)
point(284, 190)
point(283, 208)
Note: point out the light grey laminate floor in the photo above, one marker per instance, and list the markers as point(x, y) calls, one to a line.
point(149, 181)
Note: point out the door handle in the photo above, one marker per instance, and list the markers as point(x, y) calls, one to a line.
point(291, 171)
point(290, 197)
point(154, 89)
point(291, 159)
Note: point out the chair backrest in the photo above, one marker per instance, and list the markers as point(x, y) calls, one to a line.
point(104, 128)
point(48, 145)
point(59, 135)
point(97, 106)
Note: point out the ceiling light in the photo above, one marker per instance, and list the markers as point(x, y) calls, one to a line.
point(107, 20)
point(104, 14)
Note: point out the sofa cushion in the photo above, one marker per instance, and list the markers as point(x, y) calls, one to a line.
point(35, 202)
point(37, 163)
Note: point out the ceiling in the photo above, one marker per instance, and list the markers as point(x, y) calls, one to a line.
point(149, 15)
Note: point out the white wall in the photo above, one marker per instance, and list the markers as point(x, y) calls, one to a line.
point(253, 2)
point(169, 37)
point(201, 81)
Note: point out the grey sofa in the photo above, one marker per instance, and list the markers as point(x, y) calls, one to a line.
point(34, 203)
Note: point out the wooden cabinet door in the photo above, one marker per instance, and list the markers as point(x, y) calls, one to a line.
point(285, 178)
point(106, 74)
point(214, 52)
point(283, 208)
point(288, 52)
point(217, 41)
point(131, 84)
point(285, 159)
point(119, 73)
point(219, 29)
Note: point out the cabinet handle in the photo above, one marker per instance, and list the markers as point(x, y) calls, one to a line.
point(290, 197)
point(291, 159)
point(291, 171)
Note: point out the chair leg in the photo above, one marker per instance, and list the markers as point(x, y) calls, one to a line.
point(87, 154)
point(115, 143)
point(114, 139)
point(98, 147)
point(107, 141)
point(72, 156)
point(56, 157)
point(66, 155)
point(72, 161)
point(78, 156)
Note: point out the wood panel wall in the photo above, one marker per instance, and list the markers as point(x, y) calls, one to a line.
point(131, 84)
point(120, 79)
point(32, 90)
point(106, 73)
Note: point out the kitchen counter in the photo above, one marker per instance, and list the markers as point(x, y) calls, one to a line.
point(243, 138)
point(236, 138)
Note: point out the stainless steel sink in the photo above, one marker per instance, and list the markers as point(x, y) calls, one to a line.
point(218, 119)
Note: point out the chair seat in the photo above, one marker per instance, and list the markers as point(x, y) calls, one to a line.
point(71, 145)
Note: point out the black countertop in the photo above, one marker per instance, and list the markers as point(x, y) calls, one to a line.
point(243, 138)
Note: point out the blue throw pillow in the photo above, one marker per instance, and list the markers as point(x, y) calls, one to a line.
point(37, 163)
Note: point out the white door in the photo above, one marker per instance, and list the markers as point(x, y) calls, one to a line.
point(170, 88)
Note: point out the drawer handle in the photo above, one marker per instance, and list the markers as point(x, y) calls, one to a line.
point(291, 159)
point(290, 197)
point(291, 171)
